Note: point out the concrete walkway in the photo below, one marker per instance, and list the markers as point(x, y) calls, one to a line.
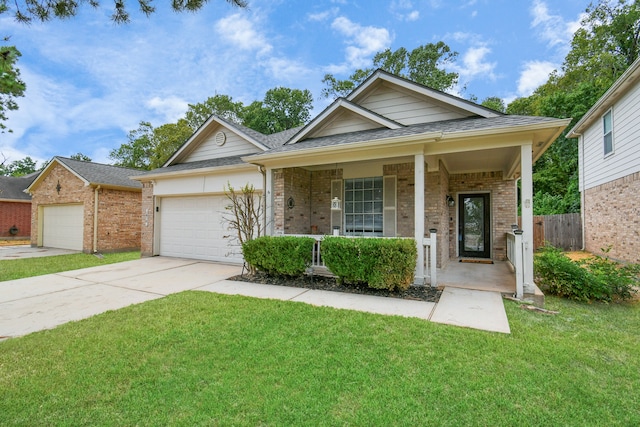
point(26, 251)
point(44, 302)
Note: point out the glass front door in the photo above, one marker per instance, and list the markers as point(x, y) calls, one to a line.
point(474, 234)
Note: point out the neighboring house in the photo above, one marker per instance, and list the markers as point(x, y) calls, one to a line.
point(609, 162)
point(15, 207)
point(85, 206)
point(394, 158)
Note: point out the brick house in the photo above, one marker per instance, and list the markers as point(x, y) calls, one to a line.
point(85, 206)
point(15, 207)
point(609, 169)
point(392, 159)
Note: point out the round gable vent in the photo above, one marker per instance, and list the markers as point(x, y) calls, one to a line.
point(220, 139)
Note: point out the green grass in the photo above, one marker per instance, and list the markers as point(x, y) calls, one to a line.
point(198, 358)
point(28, 267)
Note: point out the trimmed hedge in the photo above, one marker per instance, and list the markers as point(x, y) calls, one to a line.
point(380, 263)
point(279, 256)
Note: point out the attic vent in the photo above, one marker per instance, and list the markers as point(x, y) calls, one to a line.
point(220, 139)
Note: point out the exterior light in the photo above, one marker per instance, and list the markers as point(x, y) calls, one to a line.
point(336, 204)
point(450, 201)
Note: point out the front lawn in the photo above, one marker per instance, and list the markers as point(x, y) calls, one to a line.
point(198, 358)
point(28, 267)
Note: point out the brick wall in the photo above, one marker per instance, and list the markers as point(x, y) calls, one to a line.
point(148, 216)
point(118, 216)
point(15, 214)
point(297, 183)
point(405, 192)
point(612, 217)
point(321, 198)
point(503, 207)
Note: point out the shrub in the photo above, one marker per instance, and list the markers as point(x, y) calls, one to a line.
point(380, 263)
point(279, 256)
point(596, 279)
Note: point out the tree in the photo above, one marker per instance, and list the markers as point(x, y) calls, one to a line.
point(424, 64)
point(601, 50)
point(149, 147)
point(495, 103)
point(11, 87)
point(44, 10)
point(220, 105)
point(18, 167)
point(81, 157)
point(281, 109)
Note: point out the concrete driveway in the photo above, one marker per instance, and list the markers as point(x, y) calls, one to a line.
point(44, 302)
point(26, 251)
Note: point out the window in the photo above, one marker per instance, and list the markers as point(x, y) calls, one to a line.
point(607, 125)
point(363, 209)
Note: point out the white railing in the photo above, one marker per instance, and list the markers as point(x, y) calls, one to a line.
point(515, 257)
point(429, 244)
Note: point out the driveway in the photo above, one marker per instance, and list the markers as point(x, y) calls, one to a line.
point(26, 251)
point(44, 302)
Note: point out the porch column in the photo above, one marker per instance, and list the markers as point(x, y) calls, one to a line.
point(268, 200)
point(526, 167)
point(419, 216)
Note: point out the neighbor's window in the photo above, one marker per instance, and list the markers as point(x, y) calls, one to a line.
point(608, 133)
point(363, 213)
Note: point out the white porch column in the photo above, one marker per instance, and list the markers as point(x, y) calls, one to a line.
point(526, 167)
point(419, 216)
point(268, 228)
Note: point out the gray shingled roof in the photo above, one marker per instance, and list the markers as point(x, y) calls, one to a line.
point(200, 164)
point(269, 141)
point(12, 187)
point(96, 173)
point(447, 126)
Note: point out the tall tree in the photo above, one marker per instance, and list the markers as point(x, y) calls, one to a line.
point(81, 157)
point(281, 109)
point(601, 50)
point(220, 105)
point(149, 147)
point(45, 10)
point(18, 167)
point(424, 64)
point(11, 86)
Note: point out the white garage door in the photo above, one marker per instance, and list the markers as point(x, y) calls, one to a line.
point(62, 226)
point(193, 227)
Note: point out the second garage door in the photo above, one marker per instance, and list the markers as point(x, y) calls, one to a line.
point(193, 227)
point(62, 226)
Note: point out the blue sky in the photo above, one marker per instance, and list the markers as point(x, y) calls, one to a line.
point(89, 81)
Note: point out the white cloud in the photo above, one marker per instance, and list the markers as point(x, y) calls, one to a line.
point(552, 29)
point(241, 32)
point(473, 63)
point(286, 69)
point(404, 10)
point(323, 16)
point(362, 41)
point(534, 74)
point(170, 109)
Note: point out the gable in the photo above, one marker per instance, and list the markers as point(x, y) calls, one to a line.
point(344, 122)
point(406, 107)
point(218, 142)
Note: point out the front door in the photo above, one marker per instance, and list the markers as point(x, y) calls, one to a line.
point(474, 234)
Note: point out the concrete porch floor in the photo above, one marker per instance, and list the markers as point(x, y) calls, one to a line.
point(483, 277)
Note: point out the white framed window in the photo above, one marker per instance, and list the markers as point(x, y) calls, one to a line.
point(607, 128)
point(363, 206)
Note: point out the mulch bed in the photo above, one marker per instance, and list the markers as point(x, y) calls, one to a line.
point(416, 293)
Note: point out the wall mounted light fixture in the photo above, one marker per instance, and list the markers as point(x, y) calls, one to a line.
point(450, 201)
point(335, 204)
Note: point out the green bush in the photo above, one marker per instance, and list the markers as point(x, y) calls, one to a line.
point(279, 256)
point(596, 279)
point(380, 263)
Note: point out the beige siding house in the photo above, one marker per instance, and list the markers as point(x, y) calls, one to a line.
point(609, 162)
point(392, 159)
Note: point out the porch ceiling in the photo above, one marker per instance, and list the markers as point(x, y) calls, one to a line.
point(497, 159)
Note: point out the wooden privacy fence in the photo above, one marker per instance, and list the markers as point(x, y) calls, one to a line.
point(562, 231)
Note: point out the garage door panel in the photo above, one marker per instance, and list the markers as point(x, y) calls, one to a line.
point(193, 227)
point(63, 226)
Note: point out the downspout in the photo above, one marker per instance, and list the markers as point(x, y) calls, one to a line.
point(583, 199)
point(95, 219)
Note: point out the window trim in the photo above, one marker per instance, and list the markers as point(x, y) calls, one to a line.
point(604, 135)
point(374, 232)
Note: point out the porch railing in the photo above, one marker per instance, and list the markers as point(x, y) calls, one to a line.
point(428, 243)
point(515, 257)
